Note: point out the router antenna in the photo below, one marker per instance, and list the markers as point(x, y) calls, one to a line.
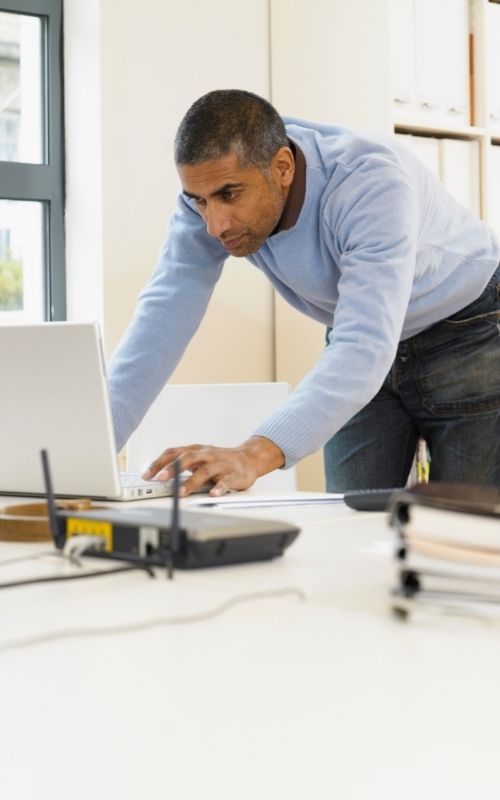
point(51, 503)
point(174, 525)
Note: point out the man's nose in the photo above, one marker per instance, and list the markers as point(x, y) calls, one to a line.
point(217, 220)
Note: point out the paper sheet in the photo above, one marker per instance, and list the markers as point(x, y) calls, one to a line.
point(236, 500)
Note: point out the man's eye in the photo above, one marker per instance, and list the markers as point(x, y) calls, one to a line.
point(229, 196)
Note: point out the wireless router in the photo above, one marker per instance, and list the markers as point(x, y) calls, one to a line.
point(176, 538)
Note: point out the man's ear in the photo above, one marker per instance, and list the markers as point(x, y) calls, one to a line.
point(284, 164)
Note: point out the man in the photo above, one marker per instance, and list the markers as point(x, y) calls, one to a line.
point(357, 234)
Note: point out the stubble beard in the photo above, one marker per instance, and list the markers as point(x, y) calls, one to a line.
point(254, 239)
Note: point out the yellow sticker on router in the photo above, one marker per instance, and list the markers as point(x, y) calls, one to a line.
point(90, 527)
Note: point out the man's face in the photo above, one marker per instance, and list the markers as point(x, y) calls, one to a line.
point(240, 206)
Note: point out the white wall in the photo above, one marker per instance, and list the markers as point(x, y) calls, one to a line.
point(330, 61)
point(132, 72)
point(84, 221)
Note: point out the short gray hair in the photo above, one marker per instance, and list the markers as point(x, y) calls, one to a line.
point(230, 121)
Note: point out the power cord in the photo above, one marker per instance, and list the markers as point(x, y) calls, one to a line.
point(40, 554)
point(77, 546)
point(98, 573)
point(74, 547)
point(157, 622)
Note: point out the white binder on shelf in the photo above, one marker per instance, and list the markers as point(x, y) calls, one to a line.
point(403, 75)
point(493, 67)
point(459, 169)
point(425, 148)
point(430, 62)
point(494, 189)
point(442, 62)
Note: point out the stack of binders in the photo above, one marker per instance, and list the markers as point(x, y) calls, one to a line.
point(447, 549)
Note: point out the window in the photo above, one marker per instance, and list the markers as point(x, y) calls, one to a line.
point(32, 275)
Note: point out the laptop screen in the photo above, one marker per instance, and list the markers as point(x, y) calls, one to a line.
point(54, 397)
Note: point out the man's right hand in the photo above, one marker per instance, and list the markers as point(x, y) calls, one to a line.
point(229, 468)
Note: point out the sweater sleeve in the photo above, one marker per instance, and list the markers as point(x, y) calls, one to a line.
point(169, 310)
point(372, 218)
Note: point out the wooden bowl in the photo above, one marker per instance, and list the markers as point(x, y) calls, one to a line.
point(29, 522)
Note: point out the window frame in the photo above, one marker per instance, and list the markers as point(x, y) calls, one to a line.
point(45, 182)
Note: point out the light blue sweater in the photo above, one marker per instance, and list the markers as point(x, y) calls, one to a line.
point(380, 251)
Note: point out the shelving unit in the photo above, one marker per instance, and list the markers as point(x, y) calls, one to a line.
point(457, 43)
point(468, 132)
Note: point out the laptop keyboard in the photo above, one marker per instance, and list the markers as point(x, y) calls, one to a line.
point(132, 480)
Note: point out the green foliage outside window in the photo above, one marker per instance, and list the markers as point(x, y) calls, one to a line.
point(11, 285)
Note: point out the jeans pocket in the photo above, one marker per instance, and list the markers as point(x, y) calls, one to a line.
point(459, 366)
point(487, 303)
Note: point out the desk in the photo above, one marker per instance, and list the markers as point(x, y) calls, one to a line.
point(276, 698)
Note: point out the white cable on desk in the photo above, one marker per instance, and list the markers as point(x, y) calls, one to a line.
point(40, 554)
point(75, 633)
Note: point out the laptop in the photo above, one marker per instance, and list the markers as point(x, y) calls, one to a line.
point(199, 413)
point(54, 396)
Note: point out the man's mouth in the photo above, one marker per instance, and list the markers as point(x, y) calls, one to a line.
point(233, 242)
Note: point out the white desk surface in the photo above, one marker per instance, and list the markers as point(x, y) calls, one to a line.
point(278, 698)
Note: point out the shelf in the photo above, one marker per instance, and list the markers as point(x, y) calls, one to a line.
point(470, 132)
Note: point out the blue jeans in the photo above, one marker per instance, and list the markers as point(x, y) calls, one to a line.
point(444, 385)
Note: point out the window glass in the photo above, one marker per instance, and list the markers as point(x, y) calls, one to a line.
point(32, 265)
point(21, 261)
point(21, 121)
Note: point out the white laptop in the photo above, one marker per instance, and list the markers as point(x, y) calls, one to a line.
point(54, 396)
point(222, 414)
